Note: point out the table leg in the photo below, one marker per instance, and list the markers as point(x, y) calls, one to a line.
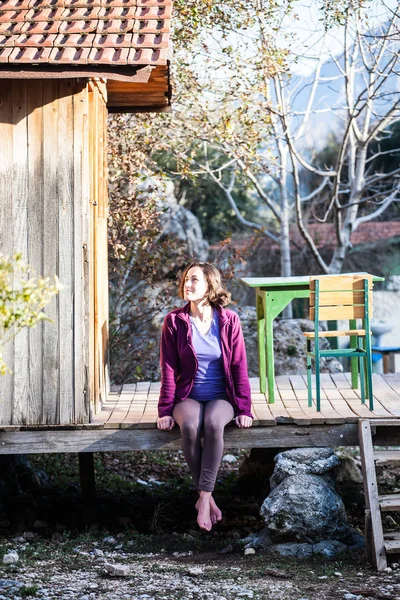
point(261, 341)
point(269, 345)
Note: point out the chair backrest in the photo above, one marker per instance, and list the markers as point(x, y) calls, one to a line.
point(335, 297)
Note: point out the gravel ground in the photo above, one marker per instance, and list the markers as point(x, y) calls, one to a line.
point(140, 540)
point(109, 569)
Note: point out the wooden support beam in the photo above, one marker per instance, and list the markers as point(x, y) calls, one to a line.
point(107, 440)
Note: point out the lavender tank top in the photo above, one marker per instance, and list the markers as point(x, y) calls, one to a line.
point(209, 383)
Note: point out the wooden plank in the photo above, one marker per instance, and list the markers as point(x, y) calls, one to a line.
point(51, 387)
point(292, 405)
point(262, 410)
point(35, 242)
point(386, 456)
point(340, 381)
point(20, 223)
point(150, 414)
point(338, 298)
point(336, 313)
point(380, 410)
point(393, 379)
point(389, 503)
point(6, 229)
point(135, 413)
point(121, 409)
point(392, 547)
point(329, 283)
point(93, 259)
point(66, 257)
point(85, 254)
point(386, 395)
point(371, 495)
point(327, 412)
point(335, 399)
point(102, 440)
point(80, 198)
point(299, 387)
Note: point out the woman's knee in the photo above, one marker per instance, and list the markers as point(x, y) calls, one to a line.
point(189, 431)
point(213, 428)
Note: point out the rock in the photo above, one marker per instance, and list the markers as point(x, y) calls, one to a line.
point(115, 570)
point(97, 552)
point(338, 574)
point(229, 458)
point(262, 539)
point(330, 549)
point(304, 508)
point(387, 570)
point(29, 536)
point(195, 571)
point(311, 461)
point(293, 550)
point(9, 583)
point(10, 558)
point(19, 539)
point(110, 540)
point(249, 551)
point(348, 470)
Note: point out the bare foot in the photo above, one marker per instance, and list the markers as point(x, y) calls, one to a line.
point(215, 513)
point(203, 511)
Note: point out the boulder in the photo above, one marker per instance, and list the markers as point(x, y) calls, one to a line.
point(310, 461)
point(304, 508)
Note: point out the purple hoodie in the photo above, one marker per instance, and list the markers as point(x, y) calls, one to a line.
point(179, 362)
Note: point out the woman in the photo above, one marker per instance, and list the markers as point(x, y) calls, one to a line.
point(204, 381)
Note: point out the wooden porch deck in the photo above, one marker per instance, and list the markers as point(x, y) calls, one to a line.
point(134, 406)
point(128, 420)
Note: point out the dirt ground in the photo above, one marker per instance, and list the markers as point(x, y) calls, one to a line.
point(139, 540)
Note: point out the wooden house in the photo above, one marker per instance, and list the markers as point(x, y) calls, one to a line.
point(64, 64)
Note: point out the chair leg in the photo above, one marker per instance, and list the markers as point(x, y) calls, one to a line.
point(318, 388)
point(368, 359)
point(317, 381)
point(361, 367)
point(309, 388)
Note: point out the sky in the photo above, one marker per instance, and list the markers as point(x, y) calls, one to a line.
point(308, 32)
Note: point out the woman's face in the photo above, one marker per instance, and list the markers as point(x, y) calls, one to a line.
point(195, 286)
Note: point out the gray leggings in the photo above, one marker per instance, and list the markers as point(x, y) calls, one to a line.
point(204, 460)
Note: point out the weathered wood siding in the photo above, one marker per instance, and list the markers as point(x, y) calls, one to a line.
point(98, 301)
point(52, 198)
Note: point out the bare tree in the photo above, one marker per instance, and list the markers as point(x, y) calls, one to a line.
point(367, 75)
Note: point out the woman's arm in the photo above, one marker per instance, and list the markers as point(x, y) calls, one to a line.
point(240, 374)
point(169, 361)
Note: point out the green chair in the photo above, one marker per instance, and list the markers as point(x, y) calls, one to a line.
point(334, 298)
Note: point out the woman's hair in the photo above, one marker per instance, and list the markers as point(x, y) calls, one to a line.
point(216, 295)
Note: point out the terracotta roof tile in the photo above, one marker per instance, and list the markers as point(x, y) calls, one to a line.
point(69, 55)
point(39, 40)
point(5, 53)
point(78, 32)
point(75, 40)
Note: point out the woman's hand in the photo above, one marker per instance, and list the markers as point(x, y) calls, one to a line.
point(165, 423)
point(243, 422)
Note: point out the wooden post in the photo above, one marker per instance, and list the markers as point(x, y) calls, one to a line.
point(87, 476)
